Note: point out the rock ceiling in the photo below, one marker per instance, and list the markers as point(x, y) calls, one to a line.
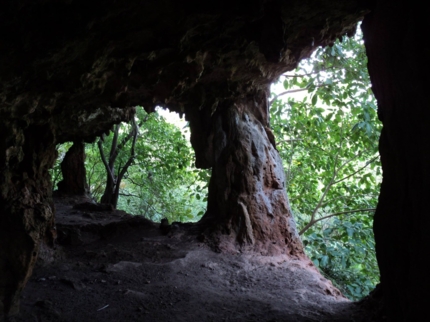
point(78, 66)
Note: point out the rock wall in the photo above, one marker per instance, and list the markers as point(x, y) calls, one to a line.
point(402, 221)
point(26, 209)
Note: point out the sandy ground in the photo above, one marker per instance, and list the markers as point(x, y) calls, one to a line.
point(110, 266)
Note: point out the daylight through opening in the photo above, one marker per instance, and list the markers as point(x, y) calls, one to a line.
point(324, 118)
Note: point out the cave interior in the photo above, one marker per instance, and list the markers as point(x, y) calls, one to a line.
point(71, 69)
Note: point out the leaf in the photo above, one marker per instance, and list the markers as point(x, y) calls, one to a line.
point(324, 260)
point(314, 99)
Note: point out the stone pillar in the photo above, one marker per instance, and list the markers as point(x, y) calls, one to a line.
point(73, 170)
point(247, 200)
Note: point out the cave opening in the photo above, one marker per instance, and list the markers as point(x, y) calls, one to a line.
point(75, 70)
point(160, 182)
point(324, 118)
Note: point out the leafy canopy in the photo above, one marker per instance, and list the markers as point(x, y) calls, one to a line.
point(327, 133)
point(162, 181)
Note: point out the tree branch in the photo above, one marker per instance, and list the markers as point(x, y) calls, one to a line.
point(113, 149)
point(102, 155)
point(129, 195)
point(327, 188)
point(333, 215)
point(334, 199)
point(311, 222)
point(312, 73)
point(355, 172)
point(295, 91)
point(332, 183)
point(130, 134)
point(130, 160)
point(300, 75)
point(287, 92)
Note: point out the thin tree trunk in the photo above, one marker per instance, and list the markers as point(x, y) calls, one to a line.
point(113, 181)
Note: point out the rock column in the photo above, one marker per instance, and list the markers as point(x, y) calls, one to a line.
point(247, 198)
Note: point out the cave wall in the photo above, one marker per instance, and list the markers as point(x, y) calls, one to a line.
point(393, 35)
point(26, 209)
point(75, 68)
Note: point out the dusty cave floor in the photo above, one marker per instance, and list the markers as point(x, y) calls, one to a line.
point(114, 267)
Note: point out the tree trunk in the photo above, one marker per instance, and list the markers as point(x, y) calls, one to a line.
point(26, 207)
point(113, 181)
point(73, 170)
point(247, 202)
point(396, 36)
point(108, 196)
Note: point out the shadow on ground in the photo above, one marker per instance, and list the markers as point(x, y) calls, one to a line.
point(111, 266)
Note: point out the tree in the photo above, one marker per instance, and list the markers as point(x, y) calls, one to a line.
point(114, 178)
point(160, 181)
point(328, 139)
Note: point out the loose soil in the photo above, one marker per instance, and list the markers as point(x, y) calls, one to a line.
point(110, 266)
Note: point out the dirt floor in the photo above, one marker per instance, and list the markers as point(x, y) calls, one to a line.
point(110, 266)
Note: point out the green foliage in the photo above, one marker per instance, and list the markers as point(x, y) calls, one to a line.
point(328, 139)
point(162, 182)
point(56, 175)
